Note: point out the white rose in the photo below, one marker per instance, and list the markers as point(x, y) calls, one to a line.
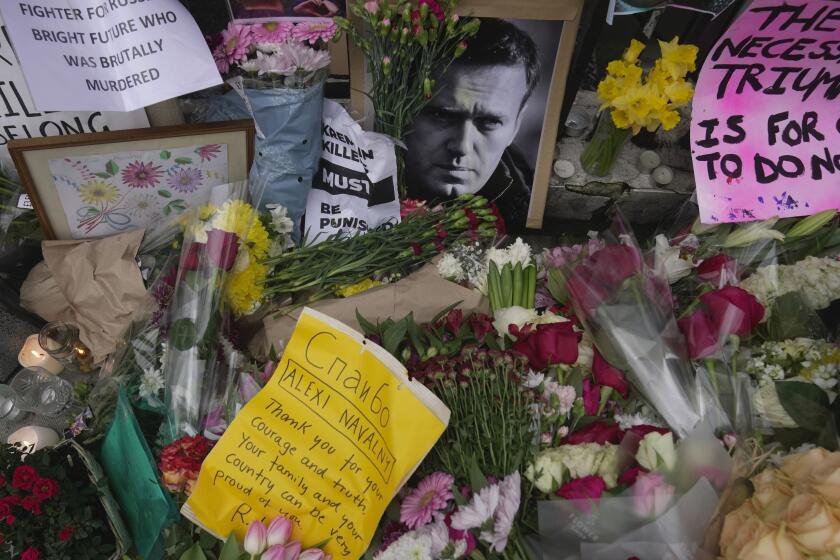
point(546, 470)
point(657, 450)
point(514, 315)
point(587, 459)
point(608, 469)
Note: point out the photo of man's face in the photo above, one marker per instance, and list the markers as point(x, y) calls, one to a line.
point(458, 139)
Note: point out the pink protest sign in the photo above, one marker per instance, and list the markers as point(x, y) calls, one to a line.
point(765, 130)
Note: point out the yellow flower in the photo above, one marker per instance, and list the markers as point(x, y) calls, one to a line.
point(620, 118)
point(669, 119)
point(206, 211)
point(678, 60)
point(357, 288)
point(98, 192)
point(236, 217)
point(244, 289)
point(608, 90)
point(680, 93)
point(632, 53)
point(258, 239)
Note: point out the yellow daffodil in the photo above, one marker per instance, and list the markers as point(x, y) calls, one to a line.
point(682, 54)
point(98, 192)
point(631, 55)
point(621, 119)
point(608, 90)
point(680, 93)
point(669, 119)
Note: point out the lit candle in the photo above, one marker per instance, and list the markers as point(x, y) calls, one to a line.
point(32, 355)
point(33, 438)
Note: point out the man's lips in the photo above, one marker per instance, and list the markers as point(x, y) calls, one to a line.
point(455, 170)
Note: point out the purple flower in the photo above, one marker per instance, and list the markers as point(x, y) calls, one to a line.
point(140, 175)
point(185, 179)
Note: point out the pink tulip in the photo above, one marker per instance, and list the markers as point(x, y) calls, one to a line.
point(292, 551)
point(276, 552)
point(255, 538)
point(314, 554)
point(279, 531)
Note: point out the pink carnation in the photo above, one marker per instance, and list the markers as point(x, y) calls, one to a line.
point(431, 495)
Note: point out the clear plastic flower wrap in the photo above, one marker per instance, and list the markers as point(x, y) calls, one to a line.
point(219, 242)
point(628, 310)
point(663, 514)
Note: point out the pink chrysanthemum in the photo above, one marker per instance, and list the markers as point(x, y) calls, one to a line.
point(311, 32)
point(272, 32)
point(140, 175)
point(431, 495)
point(236, 40)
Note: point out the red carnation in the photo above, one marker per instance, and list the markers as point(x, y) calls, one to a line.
point(718, 270)
point(5, 509)
point(596, 432)
point(481, 325)
point(23, 477)
point(605, 374)
point(551, 344)
point(454, 319)
point(31, 504)
point(66, 533)
point(30, 553)
point(10, 519)
point(44, 488)
point(587, 488)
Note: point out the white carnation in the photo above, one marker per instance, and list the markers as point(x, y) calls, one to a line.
point(450, 268)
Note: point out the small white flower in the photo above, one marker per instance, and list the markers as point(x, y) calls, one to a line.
point(410, 546)
point(151, 383)
point(514, 315)
point(533, 379)
point(667, 261)
point(449, 267)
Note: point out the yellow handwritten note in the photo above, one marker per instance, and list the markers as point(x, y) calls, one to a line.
point(327, 442)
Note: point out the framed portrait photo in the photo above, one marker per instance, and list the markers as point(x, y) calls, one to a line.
point(98, 184)
point(491, 125)
point(252, 11)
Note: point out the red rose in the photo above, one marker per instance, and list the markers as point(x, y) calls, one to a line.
point(222, 247)
point(30, 553)
point(596, 432)
point(700, 334)
point(629, 476)
point(193, 256)
point(733, 310)
point(454, 320)
point(605, 374)
point(66, 533)
point(718, 270)
point(615, 263)
point(587, 488)
point(481, 325)
point(31, 504)
point(44, 488)
point(591, 397)
point(23, 477)
point(551, 344)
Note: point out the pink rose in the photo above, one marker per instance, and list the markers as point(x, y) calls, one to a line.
point(652, 496)
point(605, 374)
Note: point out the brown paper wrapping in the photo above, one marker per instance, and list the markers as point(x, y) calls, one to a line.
point(424, 293)
point(94, 284)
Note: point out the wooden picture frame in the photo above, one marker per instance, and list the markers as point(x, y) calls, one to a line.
point(566, 11)
point(231, 141)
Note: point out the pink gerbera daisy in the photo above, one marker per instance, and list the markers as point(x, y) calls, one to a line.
point(236, 40)
point(208, 151)
point(311, 32)
point(272, 32)
point(140, 175)
point(431, 495)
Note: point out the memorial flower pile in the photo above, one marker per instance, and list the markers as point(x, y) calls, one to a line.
point(180, 462)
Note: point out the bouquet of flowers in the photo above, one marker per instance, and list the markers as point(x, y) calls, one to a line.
point(180, 462)
point(636, 101)
point(278, 71)
point(220, 274)
point(49, 508)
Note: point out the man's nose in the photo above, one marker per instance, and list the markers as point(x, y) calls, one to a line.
point(459, 142)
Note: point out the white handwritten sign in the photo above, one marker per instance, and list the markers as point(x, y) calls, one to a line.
point(108, 55)
point(20, 119)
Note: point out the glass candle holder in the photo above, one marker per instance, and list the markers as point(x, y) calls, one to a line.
point(42, 393)
point(9, 404)
point(61, 341)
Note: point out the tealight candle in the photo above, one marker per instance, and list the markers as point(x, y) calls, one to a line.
point(662, 175)
point(33, 438)
point(564, 168)
point(648, 161)
point(33, 355)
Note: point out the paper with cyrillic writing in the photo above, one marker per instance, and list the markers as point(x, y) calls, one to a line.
point(327, 442)
point(108, 55)
point(20, 119)
point(765, 127)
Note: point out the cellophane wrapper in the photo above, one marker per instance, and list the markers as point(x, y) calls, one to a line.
point(612, 528)
point(196, 369)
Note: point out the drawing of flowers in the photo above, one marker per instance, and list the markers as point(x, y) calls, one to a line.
point(142, 205)
point(140, 175)
point(185, 179)
point(208, 152)
point(98, 192)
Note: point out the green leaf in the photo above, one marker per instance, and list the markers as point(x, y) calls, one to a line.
point(368, 328)
point(792, 317)
point(206, 540)
point(445, 311)
point(165, 193)
point(806, 403)
point(112, 168)
point(184, 334)
point(165, 154)
point(392, 338)
point(167, 210)
point(194, 553)
point(557, 285)
point(183, 160)
point(103, 175)
point(477, 478)
point(231, 550)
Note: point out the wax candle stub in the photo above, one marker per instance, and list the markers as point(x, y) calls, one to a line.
point(662, 175)
point(564, 168)
point(33, 438)
point(33, 355)
point(648, 161)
